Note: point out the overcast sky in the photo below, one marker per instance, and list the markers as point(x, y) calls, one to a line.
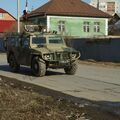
point(11, 5)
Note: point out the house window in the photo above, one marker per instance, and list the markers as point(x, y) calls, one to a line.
point(96, 26)
point(61, 26)
point(111, 6)
point(1, 15)
point(86, 26)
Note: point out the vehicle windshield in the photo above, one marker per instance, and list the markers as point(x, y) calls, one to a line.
point(39, 40)
point(55, 40)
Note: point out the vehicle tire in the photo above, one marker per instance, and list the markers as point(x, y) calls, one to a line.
point(13, 64)
point(71, 70)
point(38, 67)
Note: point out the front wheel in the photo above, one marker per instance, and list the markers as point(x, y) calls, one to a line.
point(71, 70)
point(38, 67)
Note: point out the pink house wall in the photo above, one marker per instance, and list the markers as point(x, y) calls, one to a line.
point(6, 16)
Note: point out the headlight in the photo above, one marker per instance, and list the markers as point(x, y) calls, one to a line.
point(73, 55)
point(47, 56)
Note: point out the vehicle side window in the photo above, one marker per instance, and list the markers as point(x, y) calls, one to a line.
point(12, 41)
point(25, 42)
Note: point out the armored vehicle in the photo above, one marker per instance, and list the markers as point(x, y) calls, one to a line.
point(40, 51)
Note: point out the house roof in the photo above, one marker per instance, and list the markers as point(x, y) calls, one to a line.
point(117, 23)
point(6, 25)
point(68, 8)
point(4, 11)
point(118, 14)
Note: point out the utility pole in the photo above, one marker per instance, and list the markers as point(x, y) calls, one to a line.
point(18, 15)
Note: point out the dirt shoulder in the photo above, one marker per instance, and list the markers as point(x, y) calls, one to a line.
point(21, 102)
point(99, 63)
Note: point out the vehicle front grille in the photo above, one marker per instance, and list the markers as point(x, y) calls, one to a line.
point(61, 56)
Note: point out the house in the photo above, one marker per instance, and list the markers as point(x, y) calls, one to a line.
point(114, 25)
point(109, 6)
point(115, 18)
point(71, 18)
point(6, 21)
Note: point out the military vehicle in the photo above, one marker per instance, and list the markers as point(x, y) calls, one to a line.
point(40, 51)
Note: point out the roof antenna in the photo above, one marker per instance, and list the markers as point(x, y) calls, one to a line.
point(32, 8)
point(26, 6)
point(25, 12)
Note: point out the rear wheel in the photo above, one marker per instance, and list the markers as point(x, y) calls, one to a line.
point(38, 67)
point(71, 70)
point(13, 63)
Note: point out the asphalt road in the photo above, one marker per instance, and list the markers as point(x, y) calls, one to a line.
point(91, 82)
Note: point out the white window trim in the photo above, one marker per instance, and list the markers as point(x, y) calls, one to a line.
point(96, 26)
point(61, 25)
point(48, 23)
point(86, 26)
point(106, 27)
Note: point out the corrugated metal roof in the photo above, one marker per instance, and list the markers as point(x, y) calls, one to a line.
point(118, 14)
point(5, 25)
point(117, 24)
point(68, 8)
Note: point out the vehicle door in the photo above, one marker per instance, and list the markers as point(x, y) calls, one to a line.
point(24, 51)
point(12, 46)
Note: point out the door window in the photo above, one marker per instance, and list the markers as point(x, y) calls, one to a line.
point(25, 42)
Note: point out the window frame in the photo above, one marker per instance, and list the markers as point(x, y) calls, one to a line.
point(61, 26)
point(96, 27)
point(1, 15)
point(86, 26)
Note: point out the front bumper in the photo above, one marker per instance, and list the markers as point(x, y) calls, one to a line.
point(62, 57)
point(59, 64)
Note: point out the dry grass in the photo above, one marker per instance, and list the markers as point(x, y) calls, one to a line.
point(21, 104)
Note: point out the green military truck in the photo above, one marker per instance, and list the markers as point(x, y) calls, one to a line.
point(40, 51)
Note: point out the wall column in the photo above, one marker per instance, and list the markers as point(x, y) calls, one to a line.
point(106, 27)
point(48, 23)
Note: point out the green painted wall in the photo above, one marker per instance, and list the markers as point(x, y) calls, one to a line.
point(74, 26)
